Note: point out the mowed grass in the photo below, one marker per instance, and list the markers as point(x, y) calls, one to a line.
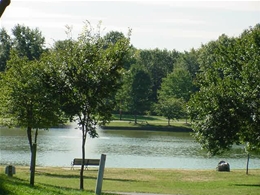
point(145, 121)
point(164, 181)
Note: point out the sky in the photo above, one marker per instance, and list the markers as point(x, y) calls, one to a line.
point(171, 25)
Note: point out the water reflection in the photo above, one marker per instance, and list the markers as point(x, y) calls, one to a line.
point(138, 149)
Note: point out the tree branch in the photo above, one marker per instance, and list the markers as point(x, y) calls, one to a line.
point(3, 5)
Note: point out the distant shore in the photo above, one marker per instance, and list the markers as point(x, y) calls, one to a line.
point(149, 127)
point(151, 123)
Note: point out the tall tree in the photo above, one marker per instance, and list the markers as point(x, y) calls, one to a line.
point(112, 38)
point(189, 61)
point(88, 77)
point(158, 63)
point(227, 105)
point(136, 91)
point(26, 101)
point(25, 84)
point(28, 42)
point(171, 108)
point(178, 84)
point(5, 48)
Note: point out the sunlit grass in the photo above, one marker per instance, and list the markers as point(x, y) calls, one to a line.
point(165, 181)
point(148, 122)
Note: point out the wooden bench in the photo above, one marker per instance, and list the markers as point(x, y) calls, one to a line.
point(88, 162)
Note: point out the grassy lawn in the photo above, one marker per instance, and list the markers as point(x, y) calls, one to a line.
point(165, 181)
point(150, 122)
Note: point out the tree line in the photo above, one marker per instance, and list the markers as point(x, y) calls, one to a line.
point(215, 86)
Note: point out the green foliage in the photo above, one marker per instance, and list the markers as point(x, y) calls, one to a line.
point(189, 61)
point(89, 75)
point(178, 84)
point(170, 108)
point(28, 42)
point(25, 101)
point(136, 90)
point(5, 47)
point(227, 105)
point(158, 63)
point(86, 75)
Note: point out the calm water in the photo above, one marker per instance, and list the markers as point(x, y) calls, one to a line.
point(129, 149)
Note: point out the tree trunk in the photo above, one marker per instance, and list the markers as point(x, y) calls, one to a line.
point(33, 162)
point(84, 136)
point(35, 136)
point(247, 163)
point(29, 136)
point(33, 147)
point(135, 119)
point(169, 124)
point(120, 111)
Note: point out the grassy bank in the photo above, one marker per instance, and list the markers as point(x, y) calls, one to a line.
point(166, 181)
point(147, 123)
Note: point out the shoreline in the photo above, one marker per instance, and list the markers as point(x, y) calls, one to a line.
point(149, 128)
point(24, 167)
point(119, 168)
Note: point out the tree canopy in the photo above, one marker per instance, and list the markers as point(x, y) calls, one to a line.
point(226, 109)
point(136, 91)
point(87, 75)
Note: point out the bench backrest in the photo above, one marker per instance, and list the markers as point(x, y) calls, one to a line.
point(78, 161)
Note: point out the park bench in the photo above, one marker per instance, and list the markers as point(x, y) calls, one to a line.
point(87, 162)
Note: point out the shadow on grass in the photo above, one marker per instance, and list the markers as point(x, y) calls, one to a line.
point(3, 188)
point(247, 185)
point(39, 187)
point(124, 180)
point(14, 181)
point(73, 176)
point(132, 118)
point(63, 188)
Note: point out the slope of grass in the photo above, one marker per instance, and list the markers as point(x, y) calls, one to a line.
point(52, 181)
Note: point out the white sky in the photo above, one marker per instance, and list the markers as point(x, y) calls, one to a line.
point(179, 25)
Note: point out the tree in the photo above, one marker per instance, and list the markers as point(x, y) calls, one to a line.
point(88, 76)
point(158, 63)
point(26, 101)
point(136, 91)
point(189, 61)
point(5, 48)
point(226, 108)
point(112, 38)
point(170, 108)
point(178, 84)
point(28, 42)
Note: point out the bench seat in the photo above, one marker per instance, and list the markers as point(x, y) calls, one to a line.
point(87, 162)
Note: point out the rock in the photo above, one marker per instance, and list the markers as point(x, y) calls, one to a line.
point(223, 166)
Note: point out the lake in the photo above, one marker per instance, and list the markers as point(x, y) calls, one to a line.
point(126, 149)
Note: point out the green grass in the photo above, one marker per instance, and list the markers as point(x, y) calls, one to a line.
point(147, 122)
point(52, 181)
